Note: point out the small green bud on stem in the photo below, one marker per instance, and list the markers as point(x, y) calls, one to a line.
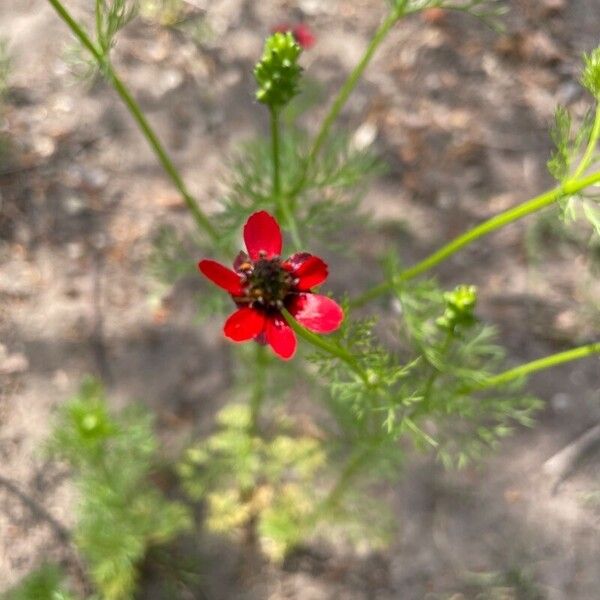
point(460, 307)
point(278, 73)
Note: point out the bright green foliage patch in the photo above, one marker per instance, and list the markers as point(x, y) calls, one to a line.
point(121, 513)
point(590, 79)
point(250, 480)
point(45, 583)
point(428, 389)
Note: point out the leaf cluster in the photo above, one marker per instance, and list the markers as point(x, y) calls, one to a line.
point(357, 393)
point(568, 142)
point(111, 17)
point(45, 583)
point(427, 389)
point(120, 513)
point(325, 205)
point(569, 148)
point(461, 422)
point(251, 480)
point(590, 78)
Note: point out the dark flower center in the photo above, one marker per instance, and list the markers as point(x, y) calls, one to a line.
point(269, 283)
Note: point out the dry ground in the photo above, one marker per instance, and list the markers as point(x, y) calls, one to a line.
point(459, 114)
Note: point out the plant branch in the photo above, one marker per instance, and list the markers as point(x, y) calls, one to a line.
point(540, 364)
point(275, 154)
point(329, 348)
point(347, 88)
point(357, 460)
point(497, 222)
point(259, 388)
point(280, 199)
point(136, 112)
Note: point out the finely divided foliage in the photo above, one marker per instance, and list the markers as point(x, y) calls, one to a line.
point(121, 512)
point(296, 441)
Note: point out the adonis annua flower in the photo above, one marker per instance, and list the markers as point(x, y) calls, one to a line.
point(262, 283)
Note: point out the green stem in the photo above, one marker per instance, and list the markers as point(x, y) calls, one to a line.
point(344, 94)
point(280, 199)
point(98, 13)
point(201, 219)
point(260, 386)
point(591, 146)
point(357, 459)
point(321, 344)
point(78, 31)
point(540, 364)
point(275, 153)
point(496, 222)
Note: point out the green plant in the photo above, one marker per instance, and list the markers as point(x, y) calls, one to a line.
point(120, 512)
point(45, 583)
point(440, 380)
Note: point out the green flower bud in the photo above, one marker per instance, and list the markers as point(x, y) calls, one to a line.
point(278, 72)
point(91, 421)
point(590, 78)
point(460, 308)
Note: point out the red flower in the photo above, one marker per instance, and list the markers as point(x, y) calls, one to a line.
point(301, 32)
point(262, 283)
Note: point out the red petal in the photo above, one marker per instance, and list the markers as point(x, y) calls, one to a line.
point(240, 259)
point(262, 234)
point(317, 313)
point(222, 276)
point(304, 36)
point(281, 337)
point(310, 270)
point(244, 324)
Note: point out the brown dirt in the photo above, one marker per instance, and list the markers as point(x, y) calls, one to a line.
point(461, 117)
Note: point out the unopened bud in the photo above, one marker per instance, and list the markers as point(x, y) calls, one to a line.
point(278, 72)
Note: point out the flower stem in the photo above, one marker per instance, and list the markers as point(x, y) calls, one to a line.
point(357, 460)
point(259, 389)
point(136, 112)
point(540, 364)
point(280, 199)
point(350, 84)
point(344, 93)
point(497, 222)
point(321, 344)
point(275, 150)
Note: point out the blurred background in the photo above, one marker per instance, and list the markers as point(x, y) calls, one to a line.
point(460, 116)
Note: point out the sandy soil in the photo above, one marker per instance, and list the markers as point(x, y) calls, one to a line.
point(460, 115)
